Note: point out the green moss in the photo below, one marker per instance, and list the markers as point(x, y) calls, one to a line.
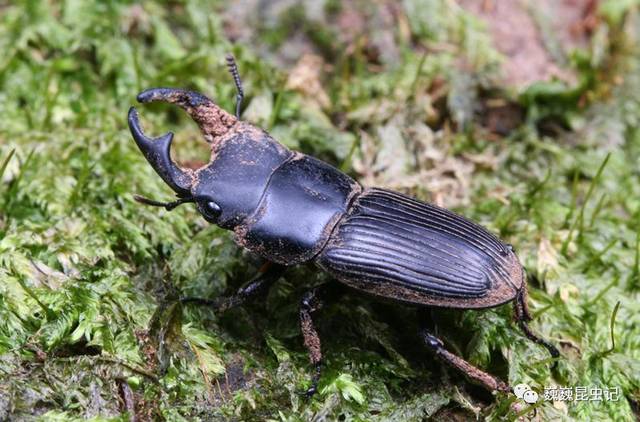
point(89, 279)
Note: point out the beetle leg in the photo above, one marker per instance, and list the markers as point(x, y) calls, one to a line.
point(268, 274)
point(522, 315)
point(488, 381)
point(310, 303)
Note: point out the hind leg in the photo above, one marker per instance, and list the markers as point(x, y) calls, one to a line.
point(488, 381)
point(522, 316)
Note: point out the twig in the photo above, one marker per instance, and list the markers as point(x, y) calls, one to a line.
point(106, 359)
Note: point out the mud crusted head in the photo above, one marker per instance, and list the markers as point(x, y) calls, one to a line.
point(236, 149)
point(213, 121)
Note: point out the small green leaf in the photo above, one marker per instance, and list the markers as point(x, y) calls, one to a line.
point(348, 389)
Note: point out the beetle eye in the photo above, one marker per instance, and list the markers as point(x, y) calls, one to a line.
point(210, 210)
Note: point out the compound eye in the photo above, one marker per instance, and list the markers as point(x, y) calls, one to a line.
point(210, 210)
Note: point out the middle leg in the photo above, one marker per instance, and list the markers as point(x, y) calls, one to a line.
point(311, 302)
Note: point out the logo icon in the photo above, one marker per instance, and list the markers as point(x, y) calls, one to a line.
point(524, 392)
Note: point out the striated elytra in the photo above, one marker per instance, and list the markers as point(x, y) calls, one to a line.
point(290, 208)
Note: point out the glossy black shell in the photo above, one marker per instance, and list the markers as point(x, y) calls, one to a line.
point(395, 246)
point(239, 173)
point(303, 201)
point(282, 205)
point(291, 208)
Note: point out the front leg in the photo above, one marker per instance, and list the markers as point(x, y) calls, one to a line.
point(268, 274)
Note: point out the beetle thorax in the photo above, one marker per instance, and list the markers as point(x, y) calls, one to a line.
point(242, 162)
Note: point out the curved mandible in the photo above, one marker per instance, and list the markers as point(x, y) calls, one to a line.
point(212, 120)
point(158, 153)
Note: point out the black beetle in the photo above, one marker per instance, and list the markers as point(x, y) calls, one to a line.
point(291, 208)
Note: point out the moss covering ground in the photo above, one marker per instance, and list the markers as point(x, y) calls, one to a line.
point(89, 323)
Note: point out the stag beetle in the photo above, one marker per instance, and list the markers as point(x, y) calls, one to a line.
point(290, 208)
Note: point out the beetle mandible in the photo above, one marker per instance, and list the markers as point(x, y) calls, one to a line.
point(291, 208)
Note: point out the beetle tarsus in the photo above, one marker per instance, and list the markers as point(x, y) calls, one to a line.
point(522, 315)
point(268, 274)
point(553, 350)
point(233, 69)
point(490, 382)
point(315, 379)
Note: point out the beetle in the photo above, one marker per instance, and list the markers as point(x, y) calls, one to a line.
point(291, 208)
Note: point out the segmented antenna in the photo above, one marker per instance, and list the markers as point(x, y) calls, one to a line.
point(233, 69)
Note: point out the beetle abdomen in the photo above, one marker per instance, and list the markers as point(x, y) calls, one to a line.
point(397, 247)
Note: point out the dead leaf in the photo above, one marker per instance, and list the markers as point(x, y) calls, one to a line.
point(306, 77)
point(42, 274)
point(568, 292)
point(547, 256)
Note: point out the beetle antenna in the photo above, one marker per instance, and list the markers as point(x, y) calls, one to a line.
point(233, 69)
point(167, 205)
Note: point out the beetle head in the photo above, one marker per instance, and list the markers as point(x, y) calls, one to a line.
point(213, 122)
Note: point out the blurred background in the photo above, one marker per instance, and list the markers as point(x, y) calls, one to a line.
point(520, 115)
